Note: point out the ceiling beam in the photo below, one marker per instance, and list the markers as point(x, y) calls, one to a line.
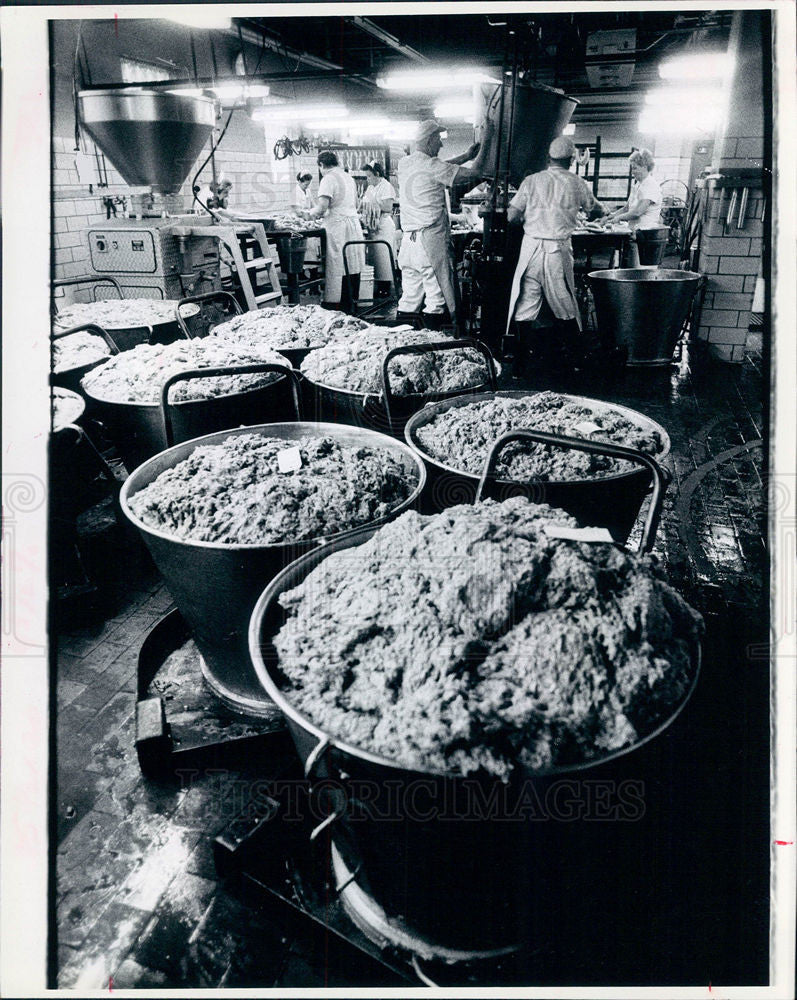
point(367, 25)
point(255, 36)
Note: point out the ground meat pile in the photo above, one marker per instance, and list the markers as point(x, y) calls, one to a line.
point(117, 314)
point(234, 493)
point(66, 406)
point(288, 326)
point(76, 350)
point(472, 641)
point(355, 363)
point(290, 222)
point(137, 375)
point(461, 437)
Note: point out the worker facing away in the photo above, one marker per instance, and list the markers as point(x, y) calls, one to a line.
point(542, 300)
point(425, 257)
point(337, 209)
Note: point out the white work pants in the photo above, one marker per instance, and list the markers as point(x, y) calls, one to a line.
point(418, 281)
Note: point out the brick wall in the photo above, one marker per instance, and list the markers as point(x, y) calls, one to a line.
point(245, 156)
point(731, 257)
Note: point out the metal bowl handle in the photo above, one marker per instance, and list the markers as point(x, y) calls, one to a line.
point(446, 345)
point(660, 477)
point(92, 328)
point(204, 297)
point(185, 376)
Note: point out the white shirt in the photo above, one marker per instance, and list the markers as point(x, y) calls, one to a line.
point(302, 198)
point(646, 190)
point(341, 190)
point(423, 181)
point(550, 201)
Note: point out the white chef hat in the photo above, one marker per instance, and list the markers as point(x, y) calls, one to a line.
point(561, 148)
point(427, 128)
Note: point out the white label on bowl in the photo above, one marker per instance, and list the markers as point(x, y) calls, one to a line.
point(289, 459)
point(587, 427)
point(577, 534)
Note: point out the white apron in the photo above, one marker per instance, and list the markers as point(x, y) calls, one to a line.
point(341, 226)
point(436, 240)
point(385, 230)
point(558, 283)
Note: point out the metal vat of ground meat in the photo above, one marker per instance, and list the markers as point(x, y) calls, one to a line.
point(643, 309)
point(385, 411)
point(466, 868)
point(215, 585)
point(70, 378)
point(138, 429)
point(611, 502)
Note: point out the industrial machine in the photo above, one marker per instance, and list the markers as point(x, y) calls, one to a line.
point(153, 138)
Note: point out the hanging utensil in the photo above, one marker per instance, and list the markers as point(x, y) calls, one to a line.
point(731, 210)
point(742, 208)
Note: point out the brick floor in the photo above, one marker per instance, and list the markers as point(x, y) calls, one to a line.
point(137, 900)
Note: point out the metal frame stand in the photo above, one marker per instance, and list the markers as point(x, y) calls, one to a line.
point(159, 753)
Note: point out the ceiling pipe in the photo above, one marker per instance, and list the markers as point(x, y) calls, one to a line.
point(259, 38)
point(367, 25)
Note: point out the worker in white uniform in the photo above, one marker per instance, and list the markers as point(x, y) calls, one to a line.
point(303, 199)
point(377, 210)
point(303, 196)
point(542, 302)
point(643, 208)
point(337, 207)
point(425, 257)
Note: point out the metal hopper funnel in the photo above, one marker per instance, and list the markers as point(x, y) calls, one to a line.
point(153, 138)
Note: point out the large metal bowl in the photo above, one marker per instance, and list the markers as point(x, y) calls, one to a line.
point(611, 502)
point(215, 585)
point(452, 855)
point(369, 409)
point(137, 428)
point(643, 309)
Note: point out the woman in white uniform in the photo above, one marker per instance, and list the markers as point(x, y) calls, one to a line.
point(337, 207)
point(643, 208)
point(377, 209)
point(303, 200)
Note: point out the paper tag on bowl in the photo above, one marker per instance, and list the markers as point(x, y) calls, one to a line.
point(586, 427)
point(289, 459)
point(577, 534)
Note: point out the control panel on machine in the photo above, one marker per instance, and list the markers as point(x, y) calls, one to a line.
point(115, 250)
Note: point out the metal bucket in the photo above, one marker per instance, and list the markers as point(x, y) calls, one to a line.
point(385, 411)
point(651, 244)
point(140, 430)
point(70, 378)
point(291, 254)
point(611, 502)
point(467, 867)
point(215, 585)
point(643, 309)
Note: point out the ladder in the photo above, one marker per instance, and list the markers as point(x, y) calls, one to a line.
point(229, 236)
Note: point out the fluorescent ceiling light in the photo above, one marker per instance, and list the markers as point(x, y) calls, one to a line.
point(673, 121)
point(434, 79)
point(227, 92)
point(697, 66)
point(456, 107)
point(299, 112)
point(196, 17)
point(670, 97)
point(569, 129)
point(383, 127)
